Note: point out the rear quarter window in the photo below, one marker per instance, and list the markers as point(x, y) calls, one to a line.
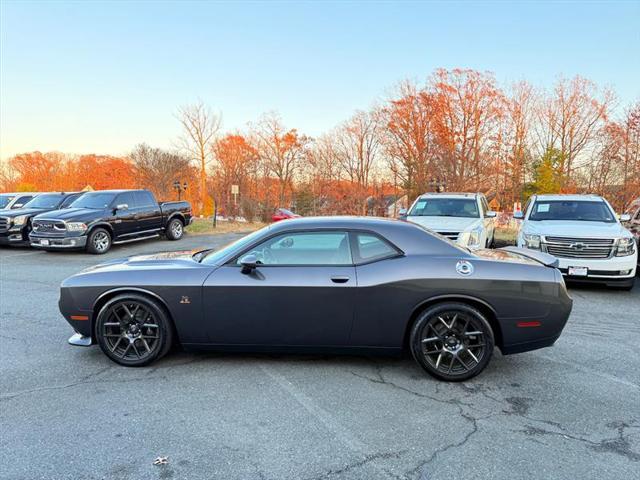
point(370, 248)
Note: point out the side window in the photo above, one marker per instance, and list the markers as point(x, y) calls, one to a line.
point(485, 205)
point(304, 248)
point(370, 247)
point(22, 200)
point(69, 200)
point(144, 199)
point(128, 198)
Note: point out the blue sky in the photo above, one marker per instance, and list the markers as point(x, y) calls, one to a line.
point(103, 76)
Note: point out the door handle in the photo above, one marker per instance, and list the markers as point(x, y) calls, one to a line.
point(339, 279)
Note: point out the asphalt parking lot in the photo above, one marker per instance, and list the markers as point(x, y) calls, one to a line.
point(570, 411)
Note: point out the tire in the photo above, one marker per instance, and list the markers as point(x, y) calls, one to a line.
point(175, 229)
point(441, 343)
point(133, 330)
point(99, 241)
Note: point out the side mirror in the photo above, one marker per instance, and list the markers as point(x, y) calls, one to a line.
point(625, 217)
point(122, 206)
point(249, 263)
point(402, 212)
point(491, 214)
point(518, 215)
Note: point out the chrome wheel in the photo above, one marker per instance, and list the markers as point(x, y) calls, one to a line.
point(101, 241)
point(176, 228)
point(453, 342)
point(130, 331)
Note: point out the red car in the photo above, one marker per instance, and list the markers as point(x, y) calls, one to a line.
point(283, 214)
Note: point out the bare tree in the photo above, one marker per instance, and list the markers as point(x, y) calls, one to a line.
point(570, 119)
point(157, 169)
point(280, 150)
point(200, 127)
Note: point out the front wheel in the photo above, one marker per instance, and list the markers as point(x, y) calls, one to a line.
point(175, 229)
point(452, 341)
point(133, 330)
point(99, 241)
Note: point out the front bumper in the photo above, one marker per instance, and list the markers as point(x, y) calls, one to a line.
point(605, 270)
point(13, 237)
point(52, 242)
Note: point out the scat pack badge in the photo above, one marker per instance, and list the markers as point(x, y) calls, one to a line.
point(185, 299)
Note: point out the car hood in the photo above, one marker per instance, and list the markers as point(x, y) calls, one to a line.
point(576, 229)
point(446, 224)
point(21, 211)
point(164, 260)
point(73, 214)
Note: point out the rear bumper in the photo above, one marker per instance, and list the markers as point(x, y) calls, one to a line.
point(62, 243)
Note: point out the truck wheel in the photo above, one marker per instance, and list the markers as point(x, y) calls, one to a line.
point(175, 229)
point(99, 241)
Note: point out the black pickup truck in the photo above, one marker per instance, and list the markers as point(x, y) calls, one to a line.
point(15, 224)
point(100, 219)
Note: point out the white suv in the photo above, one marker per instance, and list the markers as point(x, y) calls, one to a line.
point(464, 218)
point(582, 231)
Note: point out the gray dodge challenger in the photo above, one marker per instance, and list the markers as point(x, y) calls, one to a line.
point(336, 284)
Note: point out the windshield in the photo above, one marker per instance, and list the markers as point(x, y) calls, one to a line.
point(578, 210)
point(45, 201)
point(445, 207)
point(95, 200)
point(215, 256)
point(5, 199)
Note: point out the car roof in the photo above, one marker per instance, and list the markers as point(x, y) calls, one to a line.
point(451, 194)
point(116, 191)
point(408, 236)
point(570, 197)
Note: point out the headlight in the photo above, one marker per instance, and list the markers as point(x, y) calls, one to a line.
point(532, 241)
point(76, 227)
point(471, 238)
point(20, 220)
point(625, 247)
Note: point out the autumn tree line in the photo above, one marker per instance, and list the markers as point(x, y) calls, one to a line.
point(457, 131)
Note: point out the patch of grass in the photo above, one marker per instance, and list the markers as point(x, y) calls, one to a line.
point(202, 226)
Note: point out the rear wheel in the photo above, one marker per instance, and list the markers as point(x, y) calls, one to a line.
point(133, 330)
point(99, 241)
point(452, 341)
point(175, 229)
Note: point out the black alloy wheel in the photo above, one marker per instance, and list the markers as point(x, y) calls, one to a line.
point(133, 330)
point(452, 341)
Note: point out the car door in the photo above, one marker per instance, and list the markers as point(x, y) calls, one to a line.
point(149, 214)
point(302, 294)
point(125, 224)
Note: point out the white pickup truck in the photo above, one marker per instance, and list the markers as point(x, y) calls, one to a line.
point(464, 218)
point(583, 232)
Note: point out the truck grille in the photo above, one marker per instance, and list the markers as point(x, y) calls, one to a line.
point(453, 236)
point(44, 226)
point(4, 224)
point(573, 247)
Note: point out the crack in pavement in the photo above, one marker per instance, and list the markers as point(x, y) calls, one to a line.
point(86, 380)
point(619, 444)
